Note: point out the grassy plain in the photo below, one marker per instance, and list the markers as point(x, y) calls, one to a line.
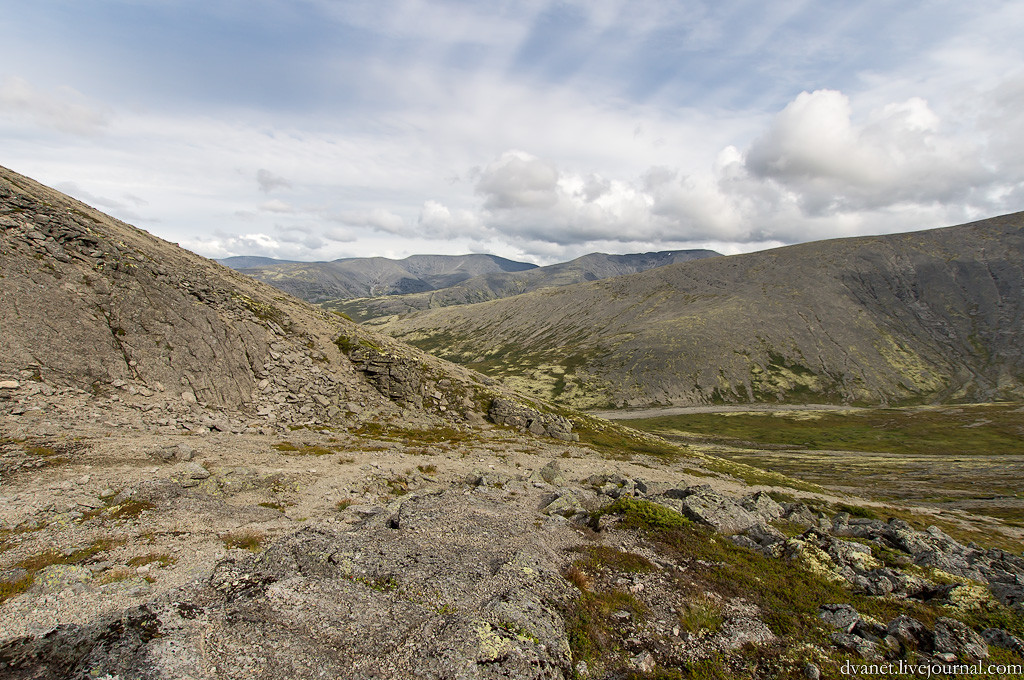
point(966, 457)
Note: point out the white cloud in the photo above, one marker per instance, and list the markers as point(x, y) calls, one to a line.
point(438, 221)
point(898, 154)
point(518, 180)
point(276, 206)
point(539, 109)
point(67, 110)
point(377, 219)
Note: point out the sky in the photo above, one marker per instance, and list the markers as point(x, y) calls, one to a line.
point(536, 130)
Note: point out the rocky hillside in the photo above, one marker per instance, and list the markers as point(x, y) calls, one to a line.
point(90, 303)
point(201, 477)
point(493, 286)
point(924, 316)
point(372, 276)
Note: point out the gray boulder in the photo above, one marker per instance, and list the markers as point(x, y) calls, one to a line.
point(956, 638)
point(997, 637)
point(719, 512)
point(909, 633)
point(763, 505)
point(841, 616)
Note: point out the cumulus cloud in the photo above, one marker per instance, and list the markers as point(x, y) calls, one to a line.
point(518, 180)
point(439, 221)
point(898, 154)
point(67, 110)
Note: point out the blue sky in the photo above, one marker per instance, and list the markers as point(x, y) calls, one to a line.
point(317, 129)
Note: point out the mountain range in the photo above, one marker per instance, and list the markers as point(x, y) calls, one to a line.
point(370, 288)
point(926, 316)
point(370, 276)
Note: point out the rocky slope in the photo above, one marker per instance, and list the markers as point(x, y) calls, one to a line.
point(925, 316)
point(95, 305)
point(371, 276)
point(497, 285)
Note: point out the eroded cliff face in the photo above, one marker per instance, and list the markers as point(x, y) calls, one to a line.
point(91, 303)
point(925, 316)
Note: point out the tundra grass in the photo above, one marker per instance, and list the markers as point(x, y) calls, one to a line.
point(973, 429)
point(965, 457)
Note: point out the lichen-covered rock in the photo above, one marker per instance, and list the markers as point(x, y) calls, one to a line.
point(762, 505)
point(552, 473)
point(525, 419)
point(715, 510)
point(57, 577)
point(955, 637)
point(841, 616)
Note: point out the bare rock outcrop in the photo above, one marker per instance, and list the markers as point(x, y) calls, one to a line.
point(526, 419)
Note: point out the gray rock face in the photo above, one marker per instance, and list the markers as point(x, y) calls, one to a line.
point(525, 419)
point(763, 505)
point(143, 319)
point(396, 378)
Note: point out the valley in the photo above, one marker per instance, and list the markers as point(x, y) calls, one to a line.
point(960, 457)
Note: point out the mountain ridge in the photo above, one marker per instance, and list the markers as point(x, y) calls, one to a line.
point(491, 286)
point(368, 276)
point(922, 316)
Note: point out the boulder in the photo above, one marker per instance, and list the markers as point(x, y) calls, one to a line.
point(909, 633)
point(858, 645)
point(841, 616)
point(719, 512)
point(552, 473)
point(956, 638)
point(762, 505)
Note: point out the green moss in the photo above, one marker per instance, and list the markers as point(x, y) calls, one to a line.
point(249, 539)
point(9, 589)
point(163, 559)
point(643, 514)
point(35, 563)
point(605, 557)
point(263, 311)
point(380, 583)
point(128, 510)
point(397, 485)
point(620, 442)
point(345, 344)
point(701, 614)
point(289, 448)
